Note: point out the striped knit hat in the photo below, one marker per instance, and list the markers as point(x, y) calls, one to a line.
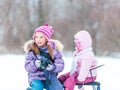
point(46, 30)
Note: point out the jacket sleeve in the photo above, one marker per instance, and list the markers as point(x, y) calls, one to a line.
point(58, 61)
point(29, 63)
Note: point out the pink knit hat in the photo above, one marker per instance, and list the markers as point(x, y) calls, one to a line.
point(46, 30)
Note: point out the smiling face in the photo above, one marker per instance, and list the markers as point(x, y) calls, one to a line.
point(40, 39)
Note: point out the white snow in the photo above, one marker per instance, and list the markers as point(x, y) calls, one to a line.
point(14, 77)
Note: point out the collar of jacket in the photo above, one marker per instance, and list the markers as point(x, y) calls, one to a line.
point(83, 51)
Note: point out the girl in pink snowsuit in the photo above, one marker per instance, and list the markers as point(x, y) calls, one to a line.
point(84, 59)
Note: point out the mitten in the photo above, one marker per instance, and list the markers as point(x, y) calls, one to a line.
point(50, 67)
point(38, 63)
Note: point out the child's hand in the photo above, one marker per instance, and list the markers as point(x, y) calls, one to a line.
point(50, 67)
point(38, 63)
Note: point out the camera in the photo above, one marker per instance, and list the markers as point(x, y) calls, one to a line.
point(44, 64)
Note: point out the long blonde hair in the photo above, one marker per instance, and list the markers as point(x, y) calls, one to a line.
point(34, 48)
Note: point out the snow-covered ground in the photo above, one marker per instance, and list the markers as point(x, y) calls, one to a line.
point(14, 77)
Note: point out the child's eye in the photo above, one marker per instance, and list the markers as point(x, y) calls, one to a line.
point(41, 37)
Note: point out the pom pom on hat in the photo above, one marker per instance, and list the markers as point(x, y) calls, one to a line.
point(46, 30)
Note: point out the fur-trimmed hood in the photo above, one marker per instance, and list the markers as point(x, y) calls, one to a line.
point(55, 44)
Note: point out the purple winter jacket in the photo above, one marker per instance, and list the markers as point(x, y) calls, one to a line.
point(35, 73)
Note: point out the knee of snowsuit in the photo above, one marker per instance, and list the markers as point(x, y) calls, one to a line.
point(37, 85)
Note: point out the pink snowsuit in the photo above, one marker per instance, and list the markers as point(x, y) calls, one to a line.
point(84, 59)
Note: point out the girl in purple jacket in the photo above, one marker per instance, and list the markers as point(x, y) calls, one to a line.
point(83, 61)
point(43, 60)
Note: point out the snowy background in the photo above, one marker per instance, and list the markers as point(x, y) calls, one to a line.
point(14, 77)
